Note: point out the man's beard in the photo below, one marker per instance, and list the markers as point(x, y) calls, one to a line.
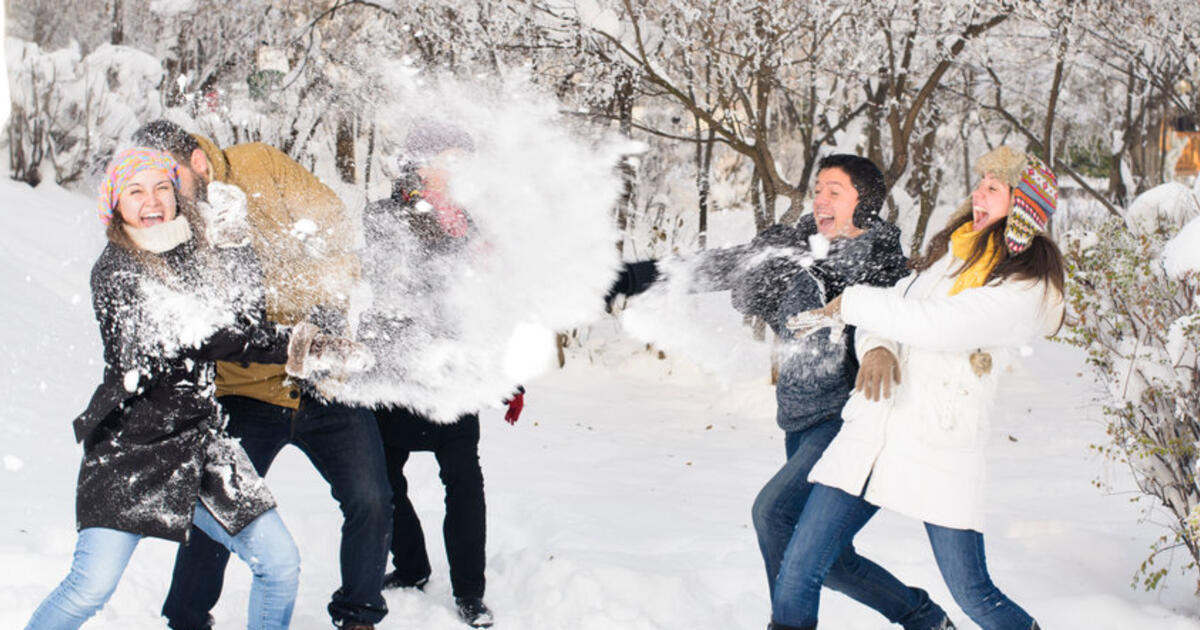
point(199, 191)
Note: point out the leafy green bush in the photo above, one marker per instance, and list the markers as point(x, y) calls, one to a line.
point(1140, 327)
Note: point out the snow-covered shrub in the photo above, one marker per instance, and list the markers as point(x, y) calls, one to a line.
point(69, 111)
point(1136, 313)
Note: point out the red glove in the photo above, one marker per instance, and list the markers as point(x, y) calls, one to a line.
point(515, 405)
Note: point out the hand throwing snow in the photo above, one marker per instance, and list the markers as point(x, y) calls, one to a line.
point(809, 322)
point(312, 352)
point(225, 215)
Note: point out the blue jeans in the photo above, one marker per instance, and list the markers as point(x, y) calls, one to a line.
point(101, 555)
point(343, 444)
point(828, 525)
point(776, 512)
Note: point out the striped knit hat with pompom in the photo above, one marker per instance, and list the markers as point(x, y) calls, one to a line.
point(125, 165)
point(1034, 200)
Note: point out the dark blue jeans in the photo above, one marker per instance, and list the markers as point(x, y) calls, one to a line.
point(776, 512)
point(343, 444)
point(828, 526)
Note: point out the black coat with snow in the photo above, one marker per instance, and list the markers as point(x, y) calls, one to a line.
point(777, 275)
point(763, 272)
point(408, 261)
point(152, 434)
point(817, 372)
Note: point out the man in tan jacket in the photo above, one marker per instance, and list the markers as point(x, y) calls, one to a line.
point(304, 241)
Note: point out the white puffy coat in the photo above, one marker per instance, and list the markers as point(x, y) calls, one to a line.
point(923, 448)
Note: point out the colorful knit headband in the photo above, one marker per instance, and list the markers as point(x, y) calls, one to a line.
point(125, 165)
point(1034, 200)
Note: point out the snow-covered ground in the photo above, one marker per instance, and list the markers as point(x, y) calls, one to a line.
point(620, 500)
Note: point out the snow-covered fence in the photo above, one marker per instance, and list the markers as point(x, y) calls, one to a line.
point(1133, 289)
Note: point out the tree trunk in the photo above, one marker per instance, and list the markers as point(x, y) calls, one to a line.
point(1116, 180)
point(178, 63)
point(766, 212)
point(370, 159)
point(925, 182)
point(903, 121)
point(704, 154)
point(560, 344)
point(118, 24)
point(1055, 88)
point(344, 149)
point(624, 104)
point(756, 199)
point(25, 167)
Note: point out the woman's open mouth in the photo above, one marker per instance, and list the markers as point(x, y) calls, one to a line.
point(980, 218)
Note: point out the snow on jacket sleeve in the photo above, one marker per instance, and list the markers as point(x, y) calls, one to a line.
point(132, 342)
point(140, 351)
point(865, 341)
point(1008, 314)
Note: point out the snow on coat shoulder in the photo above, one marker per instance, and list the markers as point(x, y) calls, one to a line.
point(923, 449)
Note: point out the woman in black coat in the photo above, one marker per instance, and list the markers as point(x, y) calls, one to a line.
point(156, 458)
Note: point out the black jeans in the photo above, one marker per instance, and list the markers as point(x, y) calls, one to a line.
point(464, 529)
point(343, 444)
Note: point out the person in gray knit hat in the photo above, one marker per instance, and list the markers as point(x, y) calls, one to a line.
point(421, 214)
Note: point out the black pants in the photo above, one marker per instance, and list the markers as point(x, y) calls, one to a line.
point(343, 444)
point(456, 447)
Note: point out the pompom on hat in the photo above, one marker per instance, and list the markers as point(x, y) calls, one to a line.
point(125, 165)
point(1035, 193)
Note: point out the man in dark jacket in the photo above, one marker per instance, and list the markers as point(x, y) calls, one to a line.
point(787, 270)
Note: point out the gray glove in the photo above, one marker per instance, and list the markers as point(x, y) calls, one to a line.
point(809, 322)
point(312, 352)
point(225, 216)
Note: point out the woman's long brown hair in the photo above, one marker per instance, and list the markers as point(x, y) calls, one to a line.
point(1041, 261)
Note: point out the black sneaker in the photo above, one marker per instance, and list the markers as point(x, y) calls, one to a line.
point(393, 581)
point(473, 612)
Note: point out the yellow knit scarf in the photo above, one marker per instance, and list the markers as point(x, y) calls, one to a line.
point(961, 243)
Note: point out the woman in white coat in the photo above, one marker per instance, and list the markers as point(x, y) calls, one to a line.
point(931, 349)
